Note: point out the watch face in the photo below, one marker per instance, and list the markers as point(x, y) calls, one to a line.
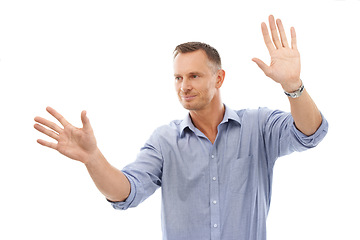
point(297, 93)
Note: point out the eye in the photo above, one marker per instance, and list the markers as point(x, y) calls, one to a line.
point(178, 78)
point(195, 76)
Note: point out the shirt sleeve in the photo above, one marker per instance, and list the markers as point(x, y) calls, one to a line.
point(282, 137)
point(144, 174)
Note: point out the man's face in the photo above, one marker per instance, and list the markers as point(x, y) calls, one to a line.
point(196, 80)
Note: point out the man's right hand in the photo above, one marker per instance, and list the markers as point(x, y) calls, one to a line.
point(76, 143)
point(80, 144)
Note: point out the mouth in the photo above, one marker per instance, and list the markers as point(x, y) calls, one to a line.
point(188, 97)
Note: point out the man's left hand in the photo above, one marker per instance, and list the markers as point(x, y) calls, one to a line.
point(285, 60)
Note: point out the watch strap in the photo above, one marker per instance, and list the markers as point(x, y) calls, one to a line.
point(297, 93)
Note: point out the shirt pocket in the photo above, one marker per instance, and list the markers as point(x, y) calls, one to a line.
point(241, 175)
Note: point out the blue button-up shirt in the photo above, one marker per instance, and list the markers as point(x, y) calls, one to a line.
point(221, 190)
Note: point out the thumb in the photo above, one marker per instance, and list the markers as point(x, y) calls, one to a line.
point(262, 65)
point(85, 120)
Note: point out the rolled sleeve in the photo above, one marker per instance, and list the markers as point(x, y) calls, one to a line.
point(129, 200)
point(312, 140)
point(282, 137)
point(144, 174)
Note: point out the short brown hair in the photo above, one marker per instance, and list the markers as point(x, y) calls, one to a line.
point(211, 52)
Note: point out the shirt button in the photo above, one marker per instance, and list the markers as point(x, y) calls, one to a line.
point(212, 156)
point(215, 225)
point(214, 202)
point(214, 178)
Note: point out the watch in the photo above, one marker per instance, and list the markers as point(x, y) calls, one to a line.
point(297, 93)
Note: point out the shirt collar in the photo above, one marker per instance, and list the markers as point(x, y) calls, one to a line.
point(229, 115)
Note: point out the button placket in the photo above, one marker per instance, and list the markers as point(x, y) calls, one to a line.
point(214, 197)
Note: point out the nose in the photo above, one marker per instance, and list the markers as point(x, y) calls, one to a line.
point(185, 85)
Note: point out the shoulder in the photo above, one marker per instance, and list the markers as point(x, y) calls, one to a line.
point(262, 116)
point(252, 114)
point(174, 128)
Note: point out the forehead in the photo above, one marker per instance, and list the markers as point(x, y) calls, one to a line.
point(191, 61)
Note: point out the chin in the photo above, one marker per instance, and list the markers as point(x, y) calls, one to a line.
point(191, 106)
point(187, 106)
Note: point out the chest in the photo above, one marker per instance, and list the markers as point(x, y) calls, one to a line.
point(193, 160)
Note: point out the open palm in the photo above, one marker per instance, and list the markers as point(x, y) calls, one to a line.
point(75, 143)
point(285, 64)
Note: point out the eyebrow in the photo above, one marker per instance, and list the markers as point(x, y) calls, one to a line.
point(195, 73)
point(190, 73)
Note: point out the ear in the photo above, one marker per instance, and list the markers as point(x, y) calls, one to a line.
point(220, 78)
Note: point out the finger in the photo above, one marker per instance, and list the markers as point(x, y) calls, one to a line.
point(58, 116)
point(293, 38)
point(282, 33)
point(47, 123)
point(46, 132)
point(47, 144)
point(269, 44)
point(262, 65)
point(85, 121)
point(274, 32)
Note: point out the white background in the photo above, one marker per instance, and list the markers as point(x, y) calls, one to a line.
point(114, 59)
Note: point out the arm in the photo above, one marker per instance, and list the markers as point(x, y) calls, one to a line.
point(110, 181)
point(80, 144)
point(285, 70)
point(306, 115)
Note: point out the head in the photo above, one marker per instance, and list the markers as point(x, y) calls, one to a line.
point(198, 75)
point(212, 54)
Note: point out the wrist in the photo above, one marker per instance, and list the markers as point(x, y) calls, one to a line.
point(292, 87)
point(297, 93)
point(93, 157)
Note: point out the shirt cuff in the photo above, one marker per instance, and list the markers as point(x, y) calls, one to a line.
point(314, 139)
point(127, 203)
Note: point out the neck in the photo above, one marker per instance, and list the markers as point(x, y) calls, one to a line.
point(207, 120)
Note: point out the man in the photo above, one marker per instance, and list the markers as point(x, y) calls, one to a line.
point(215, 166)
